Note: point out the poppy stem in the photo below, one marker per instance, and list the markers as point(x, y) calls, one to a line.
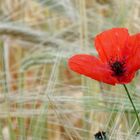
point(126, 89)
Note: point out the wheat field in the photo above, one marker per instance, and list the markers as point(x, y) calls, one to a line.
point(40, 97)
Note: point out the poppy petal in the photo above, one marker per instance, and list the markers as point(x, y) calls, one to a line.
point(133, 51)
point(92, 67)
point(126, 78)
point(110, 43)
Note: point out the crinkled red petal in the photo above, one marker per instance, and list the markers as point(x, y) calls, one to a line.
point(132, 53)
point(92, 67)
point(111, 43)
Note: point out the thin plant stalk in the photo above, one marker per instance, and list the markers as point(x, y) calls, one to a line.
point(129, 96)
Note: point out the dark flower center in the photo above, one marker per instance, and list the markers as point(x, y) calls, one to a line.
point(117, 67)
point(100, 135)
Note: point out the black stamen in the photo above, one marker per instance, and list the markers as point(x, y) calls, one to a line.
point(117, 67)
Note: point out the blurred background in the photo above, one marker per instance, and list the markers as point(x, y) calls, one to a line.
point(40, 97)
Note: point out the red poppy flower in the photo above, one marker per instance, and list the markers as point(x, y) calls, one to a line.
point(119, 57)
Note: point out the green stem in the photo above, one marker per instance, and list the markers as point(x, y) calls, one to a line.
point(132, 103)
